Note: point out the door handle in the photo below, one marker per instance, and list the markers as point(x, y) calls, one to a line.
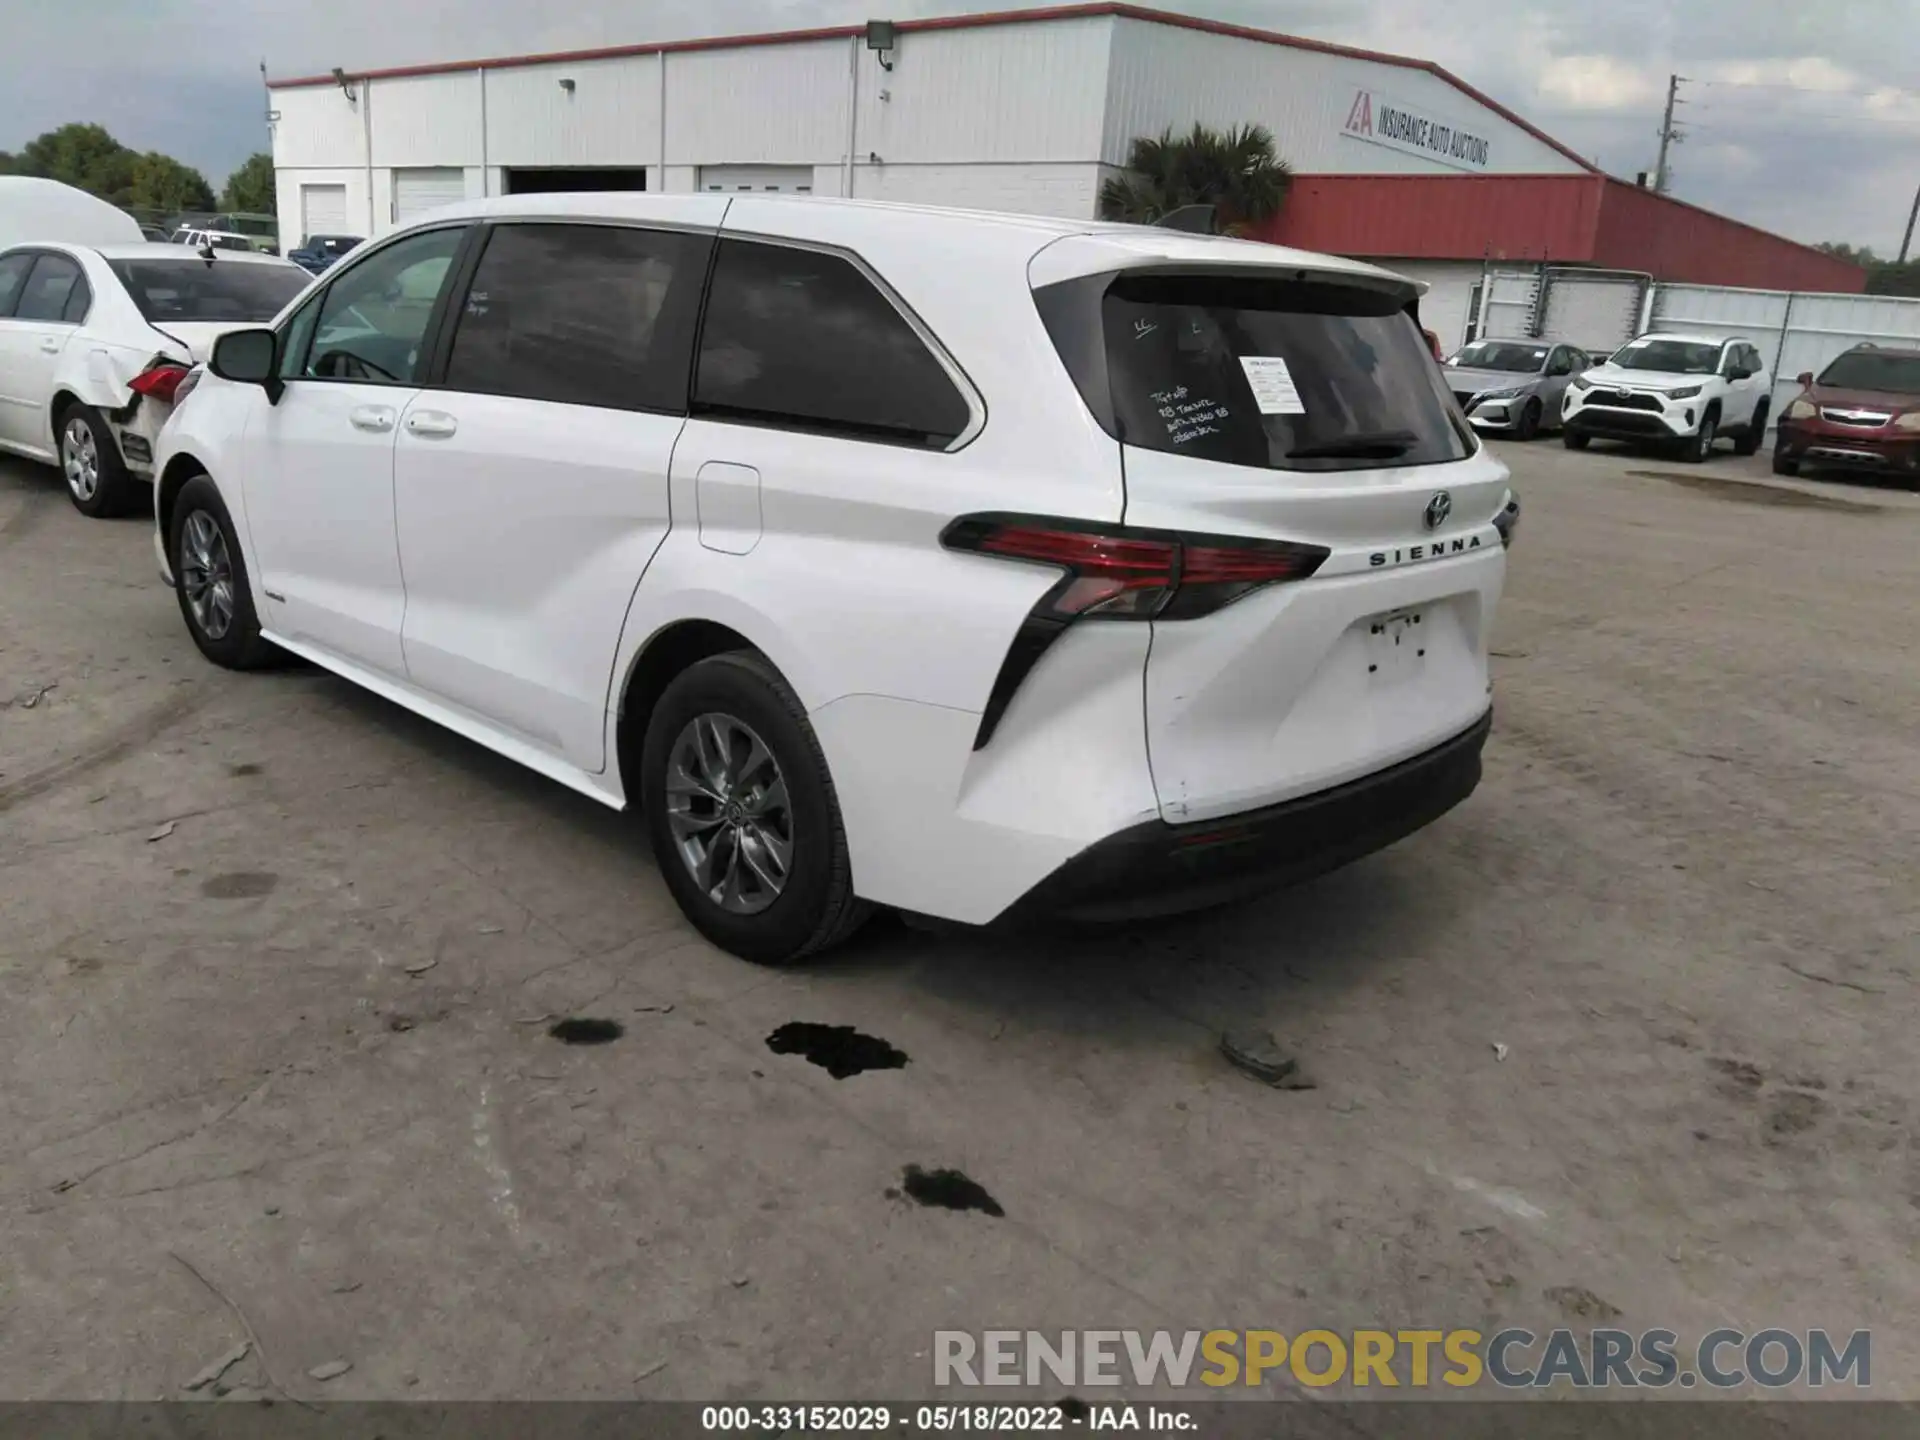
point(431, 424)
point(51, 345)
point(377, 418)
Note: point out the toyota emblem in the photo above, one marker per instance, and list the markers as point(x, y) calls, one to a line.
point(1438, 508)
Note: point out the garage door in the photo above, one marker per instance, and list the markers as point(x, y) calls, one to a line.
point(323, 210)
point(1596, 312)
point(415, 192)
point(788, 179)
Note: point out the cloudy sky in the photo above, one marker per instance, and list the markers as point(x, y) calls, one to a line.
point(1803, 117)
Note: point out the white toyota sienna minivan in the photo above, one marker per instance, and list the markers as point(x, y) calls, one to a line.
point(978, 565)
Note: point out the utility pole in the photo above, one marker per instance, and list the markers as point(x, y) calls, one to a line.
point(1669, 137)
point(1912, 215)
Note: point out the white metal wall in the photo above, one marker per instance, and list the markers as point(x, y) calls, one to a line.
point(1164, 76)
point(1443, 309)
point(1003, 94)
point(1794, 332)
point(1004, 116)
point(427, 120)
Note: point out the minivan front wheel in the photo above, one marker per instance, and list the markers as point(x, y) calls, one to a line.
point(210, 580)
point(742, 813)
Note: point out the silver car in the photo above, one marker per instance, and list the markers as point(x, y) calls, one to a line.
point(1514, 385)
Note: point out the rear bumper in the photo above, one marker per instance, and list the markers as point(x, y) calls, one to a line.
point(1162, 869)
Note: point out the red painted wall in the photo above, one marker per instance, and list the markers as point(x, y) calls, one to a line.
point(1441, 217)
point(1674, 241)
point(1567, 219)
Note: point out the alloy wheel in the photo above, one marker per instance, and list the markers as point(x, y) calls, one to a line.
point(206, 574)
point(80, 459)
point(1708, 433)
point(729, 814)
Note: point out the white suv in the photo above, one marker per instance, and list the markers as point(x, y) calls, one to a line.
point(975, 565)
point(1685, 390)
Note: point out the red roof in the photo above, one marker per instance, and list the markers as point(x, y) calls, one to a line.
point(1571, 219)
point(960, 22)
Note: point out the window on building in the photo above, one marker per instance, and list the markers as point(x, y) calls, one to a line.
point(48, 289)
point(804, 340)
point(583, 314)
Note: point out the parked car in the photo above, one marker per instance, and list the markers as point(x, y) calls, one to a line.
point(95, 340)
point(1514, 385)
point(262, 231)
point(852, 565)
point(36, 209)
point(321, 251)
point(1861, 413)
point(1676, 390)
point(203, 239)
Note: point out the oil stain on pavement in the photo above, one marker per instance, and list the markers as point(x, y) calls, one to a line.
point(586, 1031)
point(946, 1190)
point(840, 1050)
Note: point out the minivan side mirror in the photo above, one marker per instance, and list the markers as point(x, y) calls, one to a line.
point(246, 357)
point(1739, 372)
point(1804, 379)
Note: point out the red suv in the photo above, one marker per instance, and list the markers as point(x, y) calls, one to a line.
point(1863, 413)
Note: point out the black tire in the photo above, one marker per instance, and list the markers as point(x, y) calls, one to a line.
point(815, 907)
point(238, 646)
point(1574, 440)
point(90, 463)
point(1529, 425)
point(1698, 446)
point(1784, 463)
point(1756, 431)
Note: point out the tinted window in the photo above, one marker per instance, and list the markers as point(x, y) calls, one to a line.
point(1522, 357)
point(48, 288)
point(1678, 357)
point(295, 336)
point(190, 289)
point(1856, 370)
point(584, 314)
point(13, 274)
point(79, 302)
point(797, 338)
point(1278, 374)
point(373, 321)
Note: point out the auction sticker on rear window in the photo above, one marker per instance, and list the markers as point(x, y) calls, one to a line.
point(1273, 388)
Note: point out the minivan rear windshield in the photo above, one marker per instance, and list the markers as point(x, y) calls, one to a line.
point(1280, 374)
point(1868, 370)
point(191, 289)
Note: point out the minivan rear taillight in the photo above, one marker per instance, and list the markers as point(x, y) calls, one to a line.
point(1112, 572)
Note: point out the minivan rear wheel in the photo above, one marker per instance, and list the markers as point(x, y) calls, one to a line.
point(742, 813)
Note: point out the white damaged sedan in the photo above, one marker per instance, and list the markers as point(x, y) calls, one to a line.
point(95, 340)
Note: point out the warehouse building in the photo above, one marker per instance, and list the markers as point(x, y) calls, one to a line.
point(1396, 160)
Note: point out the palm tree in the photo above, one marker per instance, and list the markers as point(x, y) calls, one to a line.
point(1235, 171)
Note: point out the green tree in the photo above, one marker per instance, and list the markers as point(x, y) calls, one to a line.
point(84, 156)
point(160, 182)
point(251, 187)
point(1888, 278)
point(1236, 171)
point(1861, 256)
point(9, 164)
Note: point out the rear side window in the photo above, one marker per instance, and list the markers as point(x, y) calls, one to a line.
point(803, 340)
point(48, 289)
point(1274, 374)
point(582, 314)
point(190, 289)
point(13, 275)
